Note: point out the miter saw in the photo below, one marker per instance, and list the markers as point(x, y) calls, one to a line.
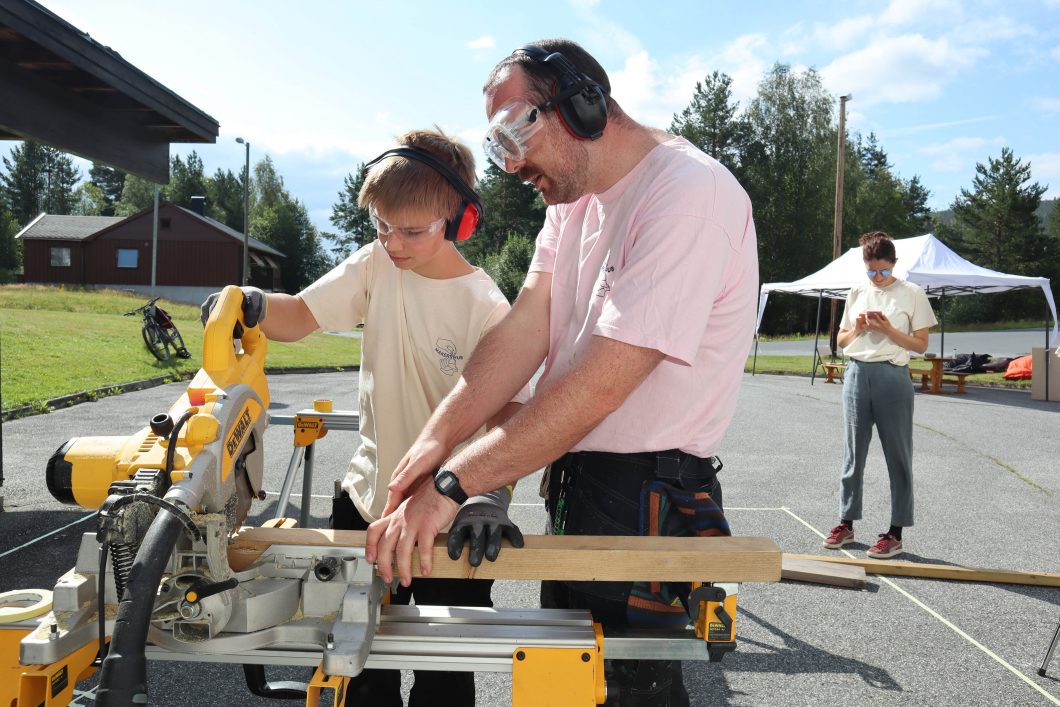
point(157, 580)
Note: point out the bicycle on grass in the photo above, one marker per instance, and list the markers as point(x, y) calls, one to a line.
point(159, 332)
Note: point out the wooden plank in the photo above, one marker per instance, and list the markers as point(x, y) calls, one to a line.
point(818, 572)
point(565, 557)
point(898, 568)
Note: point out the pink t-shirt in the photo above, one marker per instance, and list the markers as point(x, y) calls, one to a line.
point(665, 259)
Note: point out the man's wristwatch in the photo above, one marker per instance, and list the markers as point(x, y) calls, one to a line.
point(448, 485)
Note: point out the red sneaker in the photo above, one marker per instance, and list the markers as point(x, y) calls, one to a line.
point(840, 536)
point(886, 546)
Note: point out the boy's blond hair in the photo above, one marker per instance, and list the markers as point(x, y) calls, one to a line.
point(398, 183)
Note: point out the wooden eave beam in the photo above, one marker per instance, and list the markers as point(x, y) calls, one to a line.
point(37, 110)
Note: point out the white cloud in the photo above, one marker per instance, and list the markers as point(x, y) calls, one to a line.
point(652, 92)
point(1049, 106)
point(961, 153)
point(899, 69)
point(484, 42)
point(985, 30)
point(937, 126)
point(834, 37)
point(908, 12)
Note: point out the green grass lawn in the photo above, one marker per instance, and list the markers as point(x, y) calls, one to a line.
point(61, 341)
point(800, 365)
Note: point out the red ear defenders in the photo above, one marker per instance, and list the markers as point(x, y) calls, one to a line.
point(580, 102)
point(470, 211)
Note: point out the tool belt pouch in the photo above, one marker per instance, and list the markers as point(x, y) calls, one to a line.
point(666, 510)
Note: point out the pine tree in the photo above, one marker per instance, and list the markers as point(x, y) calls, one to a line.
point(355, 226)
point(111, 182)
point(711, 121)
point(10, 249)
point(224, 198)
point(38, 179)
point(186, 179)
point(511, 207)
point(996, 222)
point(136, 195)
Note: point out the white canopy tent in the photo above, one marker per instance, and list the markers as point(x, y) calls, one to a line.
point(924, 260)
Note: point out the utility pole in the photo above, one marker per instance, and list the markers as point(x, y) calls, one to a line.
point(245, 277)
point(837, 233)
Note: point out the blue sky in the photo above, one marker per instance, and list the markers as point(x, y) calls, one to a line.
point(323, 86)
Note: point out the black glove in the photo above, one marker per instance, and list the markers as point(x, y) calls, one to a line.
point(483, 521)
point(255, 305)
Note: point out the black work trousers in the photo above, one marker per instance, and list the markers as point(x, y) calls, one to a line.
point(598, 493)
point(431, 688)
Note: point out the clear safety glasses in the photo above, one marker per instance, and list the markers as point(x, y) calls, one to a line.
point(409, 234)
point(510, 131)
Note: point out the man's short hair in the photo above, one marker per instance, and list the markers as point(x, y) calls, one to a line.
point(542, 77)
point(877, 245)
point(398, 183)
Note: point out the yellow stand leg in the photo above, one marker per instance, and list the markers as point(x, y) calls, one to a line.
point(321, 682)
point(49, 685)
point(560, 677)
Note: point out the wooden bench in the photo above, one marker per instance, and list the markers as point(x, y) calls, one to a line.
point(923, 374)
point(957, 379)
point(833, 371)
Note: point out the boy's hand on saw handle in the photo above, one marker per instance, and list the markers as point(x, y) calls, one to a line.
point(255, 306)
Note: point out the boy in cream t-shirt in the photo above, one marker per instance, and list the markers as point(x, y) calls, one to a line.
point(424, 309)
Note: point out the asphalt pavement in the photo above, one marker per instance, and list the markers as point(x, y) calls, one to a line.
point(987, 495)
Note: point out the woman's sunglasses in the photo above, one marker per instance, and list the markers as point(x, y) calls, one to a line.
point(872, 273)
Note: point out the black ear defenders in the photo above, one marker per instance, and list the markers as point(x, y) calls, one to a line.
point(470, 211)
point(580, 102)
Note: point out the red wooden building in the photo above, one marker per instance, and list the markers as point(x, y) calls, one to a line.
point(195, 253)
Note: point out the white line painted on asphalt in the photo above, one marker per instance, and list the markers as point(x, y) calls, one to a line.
point(46, 535)
point(943, 620)
point(298, 495)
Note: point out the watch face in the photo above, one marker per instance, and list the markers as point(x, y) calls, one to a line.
point(446, 481)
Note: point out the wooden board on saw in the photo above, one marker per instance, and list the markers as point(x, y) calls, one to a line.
point(923, 570)
point(817, 572)
point(564, 557)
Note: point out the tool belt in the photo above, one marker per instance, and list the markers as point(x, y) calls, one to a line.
point(668, 493)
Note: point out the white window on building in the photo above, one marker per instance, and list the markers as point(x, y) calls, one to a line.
point(128, 258)
point(60, 257)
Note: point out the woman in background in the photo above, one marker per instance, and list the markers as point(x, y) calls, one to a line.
point(883, 321)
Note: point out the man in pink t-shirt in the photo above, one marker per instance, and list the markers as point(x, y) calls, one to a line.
point(640, 301)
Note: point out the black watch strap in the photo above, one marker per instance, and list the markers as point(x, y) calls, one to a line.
point(448, 485)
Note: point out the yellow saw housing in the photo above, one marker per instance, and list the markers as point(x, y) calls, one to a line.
point(83, 469)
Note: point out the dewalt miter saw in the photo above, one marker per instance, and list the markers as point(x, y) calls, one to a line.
point(171, 573)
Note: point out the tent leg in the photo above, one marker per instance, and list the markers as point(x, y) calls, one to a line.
point(942, 320)
point(754, 361)
point(1045, 358)
point(816, 339)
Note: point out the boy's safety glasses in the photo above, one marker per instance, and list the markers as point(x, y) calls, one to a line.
point(884, 273)
point(510, 131)
point(406, 233)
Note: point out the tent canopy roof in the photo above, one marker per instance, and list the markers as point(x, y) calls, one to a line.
point(924, 260)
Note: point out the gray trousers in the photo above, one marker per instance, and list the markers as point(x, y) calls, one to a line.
point(880, 394)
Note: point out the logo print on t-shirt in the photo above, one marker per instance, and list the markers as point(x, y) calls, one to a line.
point(605, 286)
point(448, 356)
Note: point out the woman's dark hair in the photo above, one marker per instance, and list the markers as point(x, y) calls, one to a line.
point(877, 245)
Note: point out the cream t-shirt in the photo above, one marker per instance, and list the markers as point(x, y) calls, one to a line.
point(903, 303)
point(418, 334)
